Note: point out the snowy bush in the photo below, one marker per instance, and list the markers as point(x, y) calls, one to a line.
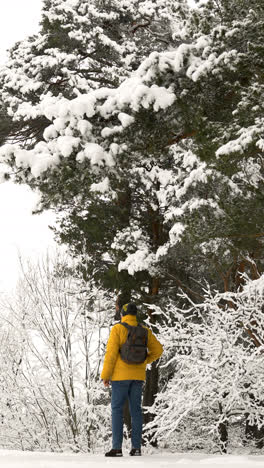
point(214, 366)
point(53, 334)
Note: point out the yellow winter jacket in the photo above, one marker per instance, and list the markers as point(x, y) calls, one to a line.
point(114, 367)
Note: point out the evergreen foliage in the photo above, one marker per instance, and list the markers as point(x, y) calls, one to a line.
point(169, 161)
point(82, 46)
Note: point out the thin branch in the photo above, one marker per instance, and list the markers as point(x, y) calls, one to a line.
point(137, 26)
point(186, 288)
point(183, 136)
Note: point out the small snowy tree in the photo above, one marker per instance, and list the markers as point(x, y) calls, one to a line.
point(61, 326)
point(213, 365)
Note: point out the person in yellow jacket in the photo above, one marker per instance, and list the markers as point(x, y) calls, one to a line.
point(127, 381)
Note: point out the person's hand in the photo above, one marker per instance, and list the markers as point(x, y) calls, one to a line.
point(106, 383)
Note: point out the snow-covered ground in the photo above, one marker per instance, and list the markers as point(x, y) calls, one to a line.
point(16, 459)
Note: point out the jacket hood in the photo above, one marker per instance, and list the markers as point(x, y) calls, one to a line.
point(130, 320)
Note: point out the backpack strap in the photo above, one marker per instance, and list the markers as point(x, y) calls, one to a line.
point(128, 327)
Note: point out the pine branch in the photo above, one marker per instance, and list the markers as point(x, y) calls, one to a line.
point(137, 26)
point(177, 138)
point(186, 288)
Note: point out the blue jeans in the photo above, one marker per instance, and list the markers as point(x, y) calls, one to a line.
point(121, 390)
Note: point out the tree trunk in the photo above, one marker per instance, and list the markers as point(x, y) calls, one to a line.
point(151, 390)
point(223, 433)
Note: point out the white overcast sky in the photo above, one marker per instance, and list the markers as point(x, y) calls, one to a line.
point(20, 232)
point(18, 19)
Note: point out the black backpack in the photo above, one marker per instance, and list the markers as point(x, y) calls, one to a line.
point(134, 350)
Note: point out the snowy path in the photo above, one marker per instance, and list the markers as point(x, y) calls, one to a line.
point(14, 459)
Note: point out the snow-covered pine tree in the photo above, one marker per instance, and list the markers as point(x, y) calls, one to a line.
point(81, 46)
point(206, 81)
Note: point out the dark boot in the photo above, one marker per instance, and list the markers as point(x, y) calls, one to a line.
point(114, 453)
point(135, 452)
